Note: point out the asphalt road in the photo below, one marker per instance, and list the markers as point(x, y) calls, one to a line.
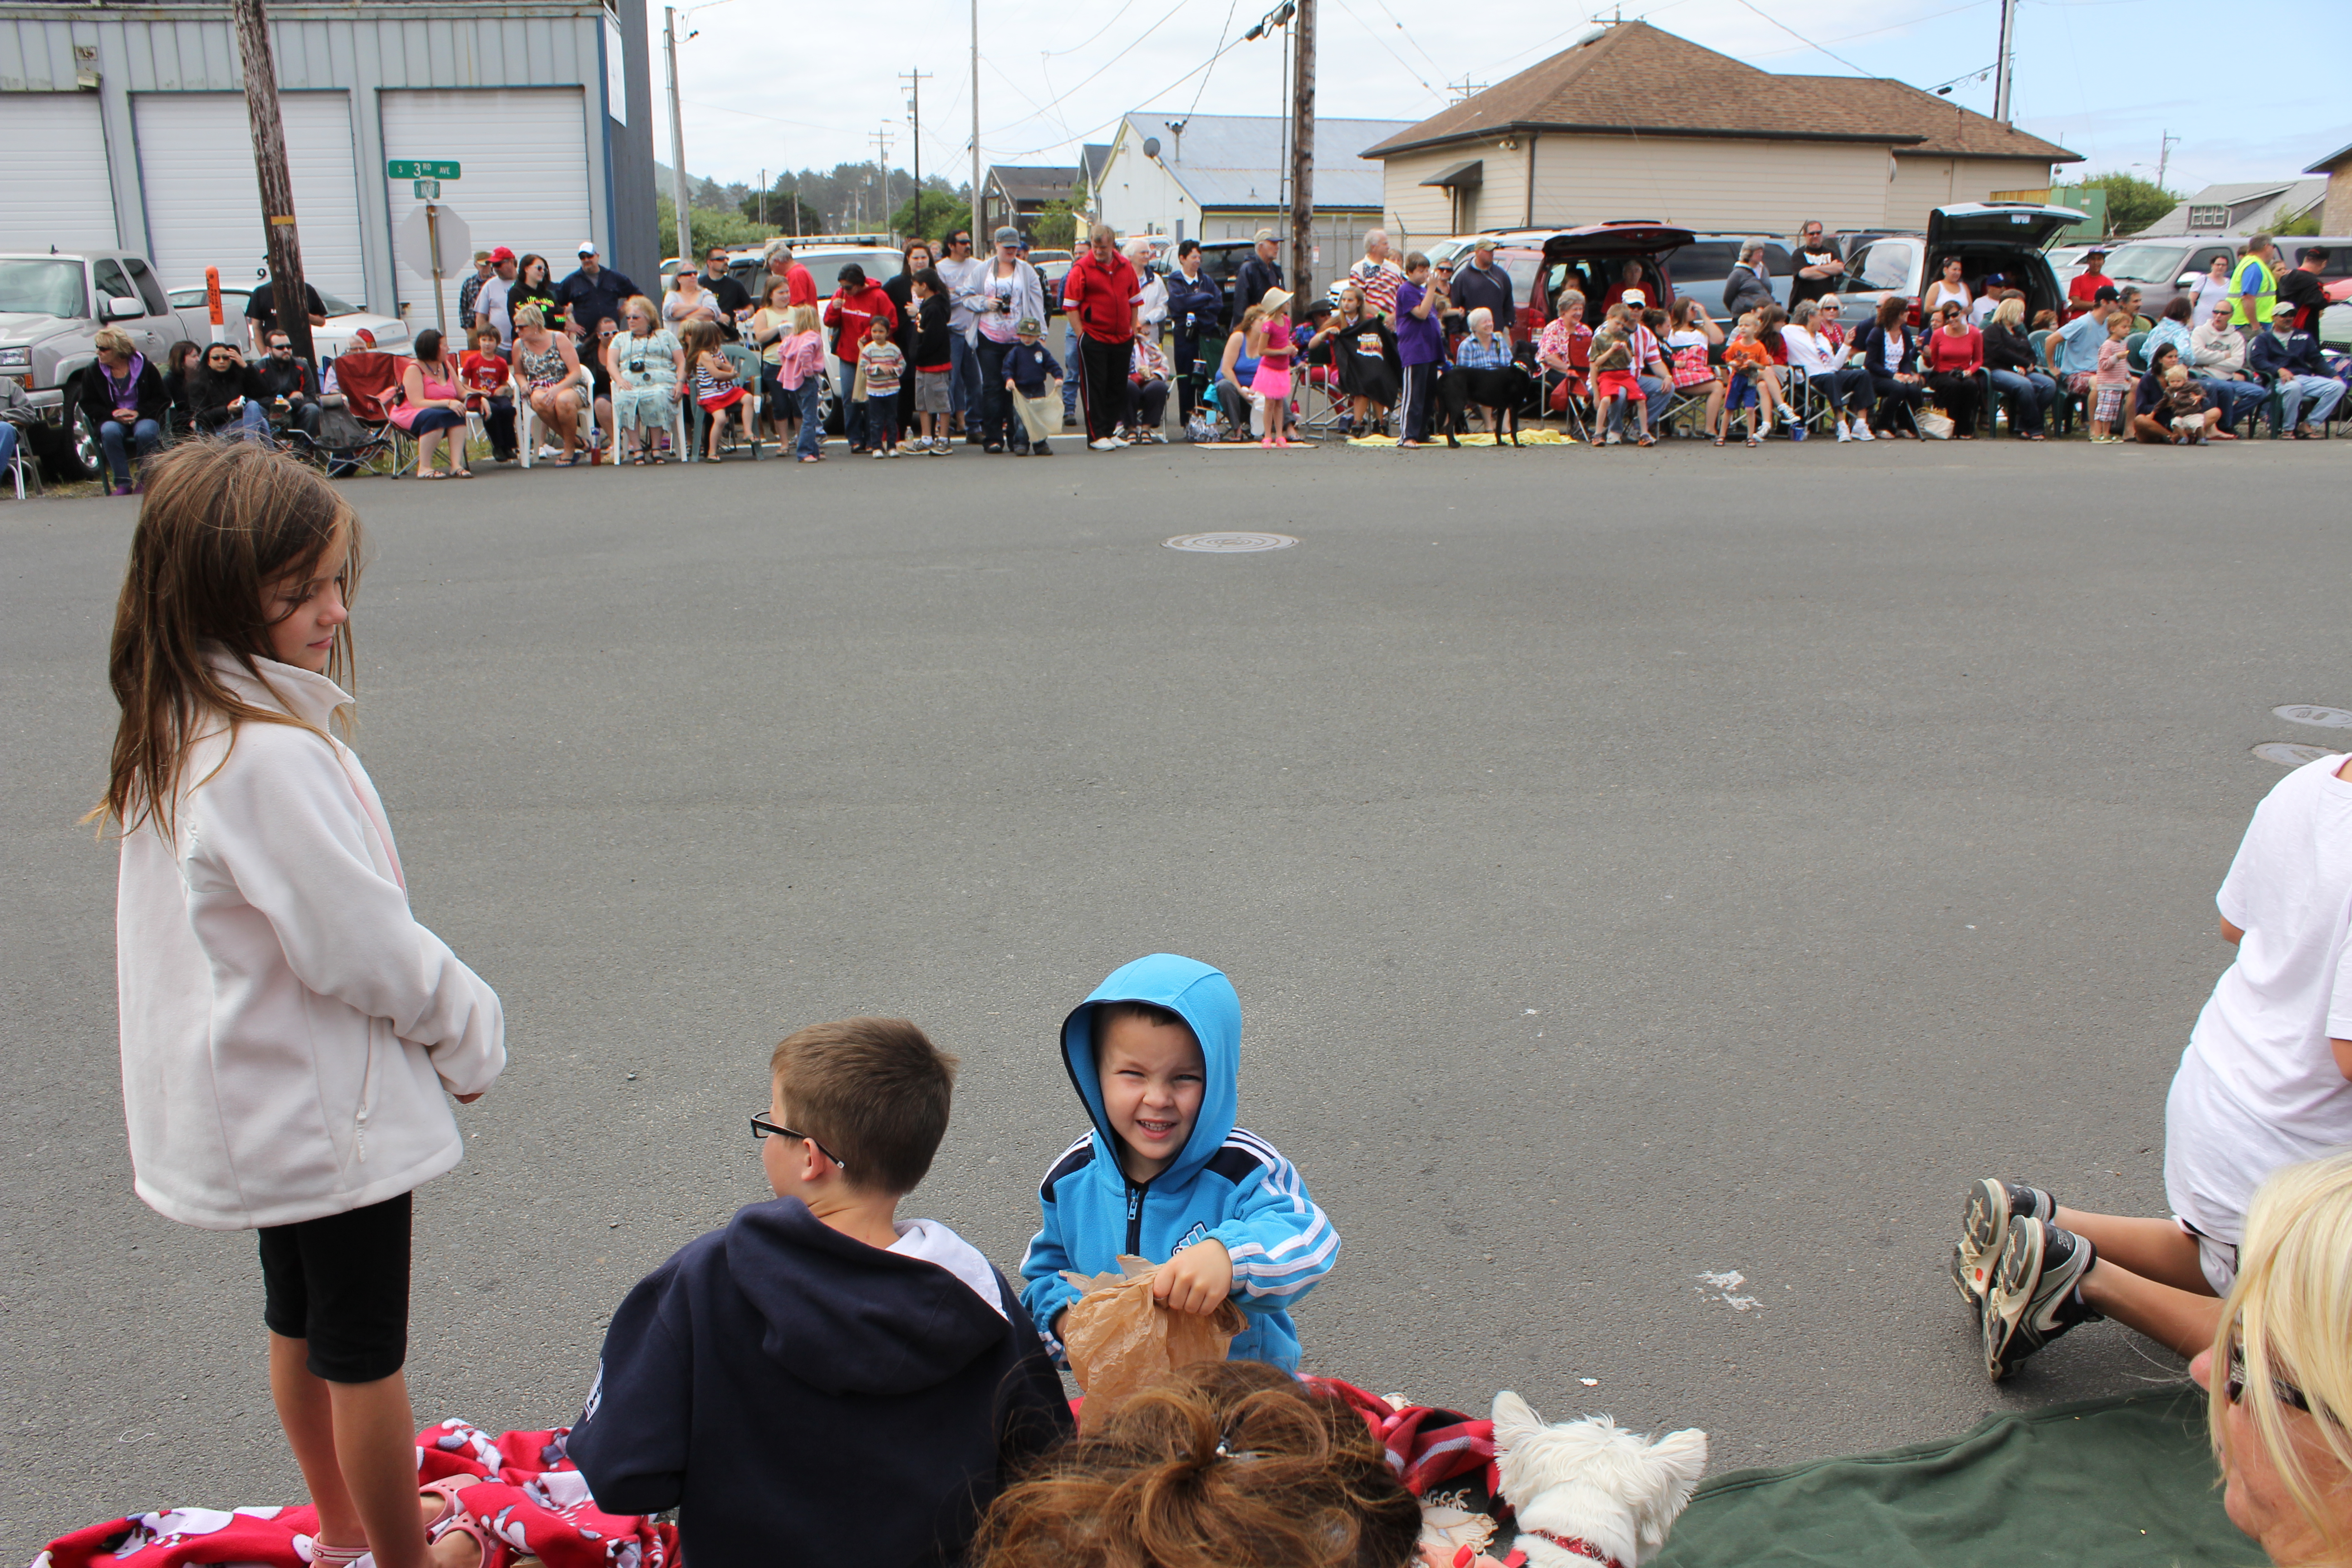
point(1634, 866)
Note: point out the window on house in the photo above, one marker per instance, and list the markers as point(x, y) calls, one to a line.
point(2209, 217)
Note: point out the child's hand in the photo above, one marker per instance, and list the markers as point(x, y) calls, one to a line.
point(1196, 1279)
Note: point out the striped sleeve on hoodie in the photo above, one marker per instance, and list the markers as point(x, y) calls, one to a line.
point(1280, 1240)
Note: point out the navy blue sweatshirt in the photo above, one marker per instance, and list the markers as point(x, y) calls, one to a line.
point(1026, 366)
point(802, 1397)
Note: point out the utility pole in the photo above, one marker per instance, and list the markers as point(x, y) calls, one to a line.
point(2002, 69)
point(285, 248)
point(676, 141)
point(2164, 157)
point(882, 174)
point(763, 198)
point(981, 244)
point(914, 80)
point(1302, 154)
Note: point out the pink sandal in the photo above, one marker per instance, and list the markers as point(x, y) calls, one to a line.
point(455, 1516)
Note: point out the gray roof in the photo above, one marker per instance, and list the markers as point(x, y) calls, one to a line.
point(2330, 162)
point(1093, 156)
point(2254, 205)
point(1035, 182)
point(1226, 160)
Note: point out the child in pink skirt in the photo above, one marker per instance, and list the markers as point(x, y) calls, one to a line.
point(1270, 338)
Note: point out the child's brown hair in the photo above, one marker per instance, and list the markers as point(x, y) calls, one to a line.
point(219, 524)
point(1220, 1465)
point(873, 1092)
point(699, 337)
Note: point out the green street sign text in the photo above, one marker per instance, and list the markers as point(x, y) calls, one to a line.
point(419, 169)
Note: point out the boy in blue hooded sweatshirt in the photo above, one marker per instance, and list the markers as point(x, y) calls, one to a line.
point(1155, 1055)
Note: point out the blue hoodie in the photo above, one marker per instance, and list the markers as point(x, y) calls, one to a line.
point(1226, 1182)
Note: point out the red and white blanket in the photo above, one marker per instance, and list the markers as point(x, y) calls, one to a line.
point(527, 1491)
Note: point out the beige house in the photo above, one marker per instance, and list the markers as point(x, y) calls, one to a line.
point(2336, 216)
point(1635, 123)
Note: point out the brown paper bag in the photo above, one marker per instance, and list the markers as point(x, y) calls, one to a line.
point(1118, 1339)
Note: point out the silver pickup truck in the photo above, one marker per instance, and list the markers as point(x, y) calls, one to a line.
point(51, 308)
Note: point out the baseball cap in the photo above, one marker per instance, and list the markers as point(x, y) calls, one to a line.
point(587, 247)
point(503, 254)
point(364, 339)
point(1635, 297)
point(1263, 235)
point(1028, 327)
point(1482, 243)
point(2105, 292)
point(1008, 234)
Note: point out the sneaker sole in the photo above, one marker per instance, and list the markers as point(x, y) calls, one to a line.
point(1984, 1230)
point(2014, 1277)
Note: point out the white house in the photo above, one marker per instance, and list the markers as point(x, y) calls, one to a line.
point(1223, 176)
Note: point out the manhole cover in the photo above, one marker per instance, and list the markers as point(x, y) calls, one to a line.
point(2310, 713)
point(1231, 543)
point(2289, 753)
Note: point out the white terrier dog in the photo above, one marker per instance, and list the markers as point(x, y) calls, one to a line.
point(1588, 1491)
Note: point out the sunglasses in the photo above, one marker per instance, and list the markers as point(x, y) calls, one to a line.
point(763, 1128)
point(2288, 1394)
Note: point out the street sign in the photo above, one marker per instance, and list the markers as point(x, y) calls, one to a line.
point(419, 169)
point(426, 190)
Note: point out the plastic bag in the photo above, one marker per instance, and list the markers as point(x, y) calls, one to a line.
point(1119, 1339)
point(1934, 425)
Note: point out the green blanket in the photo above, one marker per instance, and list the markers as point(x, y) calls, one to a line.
point(2127, 1482)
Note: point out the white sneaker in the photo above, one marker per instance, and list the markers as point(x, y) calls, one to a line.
point(1861, 432)
point(1118, 441)
point(1845, 432)
point(1105, 445)
point(1612, 439)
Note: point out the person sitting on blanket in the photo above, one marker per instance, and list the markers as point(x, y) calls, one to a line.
point(1155, 1056)
point(2277, 1373)
point(2266, 1082)
point(821, 1381)
point(1218, 1465)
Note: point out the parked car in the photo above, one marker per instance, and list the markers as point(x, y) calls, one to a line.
point(2007, 237)
point(825, 262)
point(1221, 262)
point(51, 307)
point(1593, 257)
point(2156, 267)
point(1704, 266)
point(344, 322)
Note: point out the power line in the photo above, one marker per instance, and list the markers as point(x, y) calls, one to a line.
point(1164, 18)
point(1805, 40)
point(1222, 32)
point(1409, 69)
point(1098, 32)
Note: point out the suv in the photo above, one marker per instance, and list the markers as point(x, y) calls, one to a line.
point(1704, 266)
point(1594, 258)
point(51, 307)
point(2012, 239)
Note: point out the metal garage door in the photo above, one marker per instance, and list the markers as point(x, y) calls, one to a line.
point(204, 200)
point(53, 184)
point(522, 156)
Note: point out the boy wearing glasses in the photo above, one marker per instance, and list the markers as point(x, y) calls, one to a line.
point(1155, 1056)
point(821, 1379)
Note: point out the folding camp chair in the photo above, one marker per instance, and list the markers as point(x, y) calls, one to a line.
point(367, 389)
point(21, 462)
point(528, 429)
point(1333, 410)
point(1570, 395)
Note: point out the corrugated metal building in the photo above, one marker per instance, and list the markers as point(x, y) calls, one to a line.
point(124, 127)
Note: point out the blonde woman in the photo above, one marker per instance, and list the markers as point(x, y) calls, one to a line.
point(646, 365)
point(2278, 1373)
point(551, 377)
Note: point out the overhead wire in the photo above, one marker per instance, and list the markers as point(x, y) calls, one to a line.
point(1165, 16)
point(1201, 91)
point(1802, 39)
point(1409, 69)
point(1145, 97)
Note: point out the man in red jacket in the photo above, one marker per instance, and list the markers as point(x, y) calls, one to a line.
point(855, 304)
point(1101, 295)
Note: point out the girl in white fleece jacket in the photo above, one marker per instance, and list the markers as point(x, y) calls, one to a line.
point(288, 1030)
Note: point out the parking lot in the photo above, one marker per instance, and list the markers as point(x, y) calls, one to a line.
point(1637, 869)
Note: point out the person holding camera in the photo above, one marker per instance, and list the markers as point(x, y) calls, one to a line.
point(1007, 293)
point(1196, 309)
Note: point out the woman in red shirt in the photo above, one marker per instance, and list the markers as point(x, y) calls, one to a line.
point(853, 305)
point(1952, 355)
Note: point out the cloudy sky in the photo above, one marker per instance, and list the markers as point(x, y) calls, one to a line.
point(767, 85)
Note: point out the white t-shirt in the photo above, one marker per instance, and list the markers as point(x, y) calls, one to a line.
point(935, 1243)
point(1809, 354)
point(490, 300)
point(2258, 1087)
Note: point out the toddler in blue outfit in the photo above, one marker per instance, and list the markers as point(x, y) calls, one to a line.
point(1155, 1055)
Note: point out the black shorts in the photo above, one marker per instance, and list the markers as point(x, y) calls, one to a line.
point(341, 1284)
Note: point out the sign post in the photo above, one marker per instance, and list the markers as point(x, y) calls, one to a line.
point(424, 176)
point(213, 303)
point(428, 235)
